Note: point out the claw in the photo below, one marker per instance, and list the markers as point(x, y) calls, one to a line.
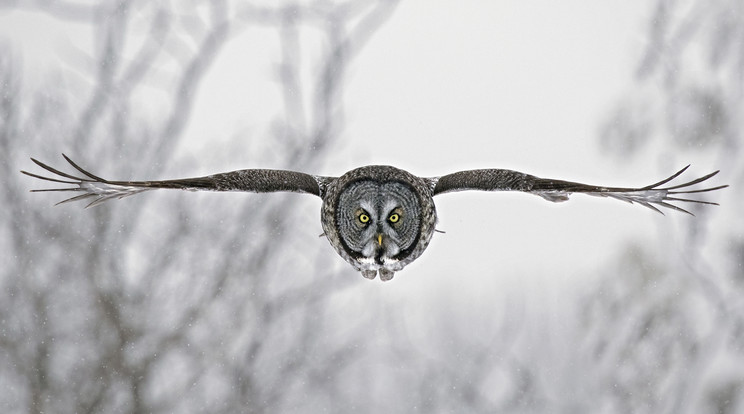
point(386, 274)
point(369, 274)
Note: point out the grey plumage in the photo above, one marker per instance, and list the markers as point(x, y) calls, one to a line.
point(378, 218)
point(558, 190)
point(378, 190)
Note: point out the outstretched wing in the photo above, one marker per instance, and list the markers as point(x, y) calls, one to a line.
point(558, 190)
point(255, 180)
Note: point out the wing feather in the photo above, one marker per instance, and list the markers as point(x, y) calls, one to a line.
point(249, 180)
point(651, 196)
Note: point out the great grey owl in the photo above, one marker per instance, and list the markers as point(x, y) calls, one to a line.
point(378, 218)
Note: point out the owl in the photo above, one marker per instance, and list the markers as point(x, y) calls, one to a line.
point(378, 218)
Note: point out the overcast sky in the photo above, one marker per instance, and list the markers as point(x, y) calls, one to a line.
point(509, 84)
point(440, 87)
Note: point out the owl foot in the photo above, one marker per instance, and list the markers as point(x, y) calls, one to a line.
point(386, 275)
point(369, 274)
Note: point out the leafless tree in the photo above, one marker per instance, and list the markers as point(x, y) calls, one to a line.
point(661, 328)
point(184, 302)
point(665, 323)
point(155, 306)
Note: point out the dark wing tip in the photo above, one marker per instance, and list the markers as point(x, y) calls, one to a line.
point(77, 167)
point(41, 177)
point(666, 180)
point(684, 188)
point(693, 182)
point(56, 171)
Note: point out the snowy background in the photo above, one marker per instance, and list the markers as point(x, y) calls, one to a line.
point(190, 302)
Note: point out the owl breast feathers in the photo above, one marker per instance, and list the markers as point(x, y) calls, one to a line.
point(378, 218)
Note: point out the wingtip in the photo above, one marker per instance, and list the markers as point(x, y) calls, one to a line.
point(680, 172)
point(37, 162)
point(83, 171)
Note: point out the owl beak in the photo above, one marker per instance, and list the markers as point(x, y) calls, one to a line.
point(379, 239)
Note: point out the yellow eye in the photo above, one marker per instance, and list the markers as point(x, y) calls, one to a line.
point(394, 218)
point(363, 218)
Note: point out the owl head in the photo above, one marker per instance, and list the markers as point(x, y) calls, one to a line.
point(383, 219)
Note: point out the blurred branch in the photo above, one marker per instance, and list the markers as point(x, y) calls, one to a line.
point(690, 95)
point(81, 12)
point(118, 307)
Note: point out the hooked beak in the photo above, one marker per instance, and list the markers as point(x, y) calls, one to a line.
point(379, 239)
